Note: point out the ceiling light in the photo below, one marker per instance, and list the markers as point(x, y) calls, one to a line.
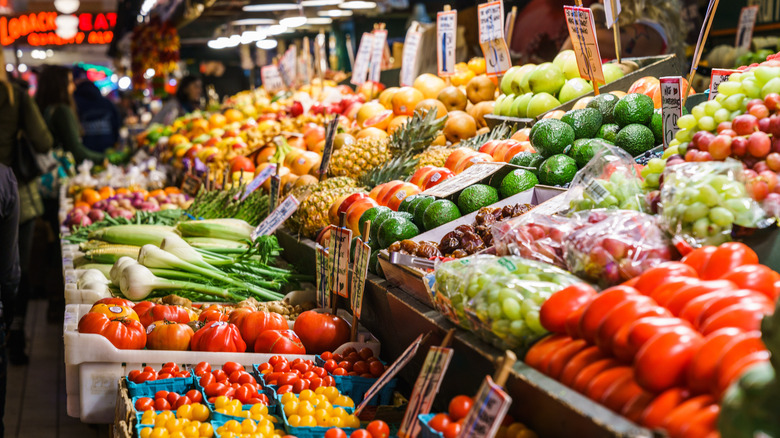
point(125, 83)
point(314, 3)
point(335, 13)
point(276, 29)
point(358, 4)
point(296, 21)
point(66, 6)
point(267, 44)
point(270, 7)
point(253, 21)
point(22, 68)
point(67, 26)
point(318, 20)
point(251, 36)
point(215, 44)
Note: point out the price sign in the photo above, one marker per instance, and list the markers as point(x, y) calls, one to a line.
point(272, 79)
point(191, 184)
point(289, 64)
point(377, 51)
point(446, 28)
point(359, 272)
point(612, 17)
point(425, 389)
point(475, 173)
point(322, 63)
point(409, 59)
point(582, 32)
point(323, 290)
point(490, 407)
point(360, 70)
point(277, 217)
point(390, 372)
point(340, 240)
point(327, 150)
point(491, 38)
point(671, 106)
point(257, 182)
point(747, 21)
point(718, 76)
point(273, 197)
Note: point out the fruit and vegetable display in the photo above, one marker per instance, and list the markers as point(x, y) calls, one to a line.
point(92, 205)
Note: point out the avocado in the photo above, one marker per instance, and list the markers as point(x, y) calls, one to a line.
point(583, 150)
point(439, 213)
point(633, 108)
point(557, 170)
point(404, 206)
point(635, 139)
point(413, 204)
point(552, 138)
point(657, 126)
point(373, 262)
point(377, 222)
point(608, 132)
point(394, 229)
point(518, 180)
point(537, 125)
point(371, 215)
point(403, 215)
point(522, 158)
point(585, 122)
point(476, 196)
point(419, 209)
point(605, 104)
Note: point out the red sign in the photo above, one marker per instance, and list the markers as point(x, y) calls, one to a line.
point(40, 29)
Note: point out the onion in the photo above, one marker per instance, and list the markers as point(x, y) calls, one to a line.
point(100, 205)
point(138, 202)
point(96, 215)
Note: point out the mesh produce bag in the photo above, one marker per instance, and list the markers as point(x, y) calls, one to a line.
point(533, 236)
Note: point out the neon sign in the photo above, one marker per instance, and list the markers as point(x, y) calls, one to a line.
point(40, 29)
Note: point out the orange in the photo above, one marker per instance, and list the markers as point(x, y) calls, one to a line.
point(477, 65)
point(82, 205)
point(177, 139)
point(156, 193)
point(367, 111)
point(234, 115)
point(199, 127)
point(462, 77)
point(396, 123)
point(172, 190)
point(122, 191)
point(386, 96)
point(106, 192)
point(90, 196)
point(371, 133)
point(405, 100)
point(380, 120)
point(217, 120)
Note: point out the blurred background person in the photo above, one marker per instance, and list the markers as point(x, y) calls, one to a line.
point(98, 116)
point(186, 100)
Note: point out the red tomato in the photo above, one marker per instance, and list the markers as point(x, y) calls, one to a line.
point(142, 307)
point(360, 367)
point(346, 365)
point(682, 414)
point(625, 313)
point(231, 367)
point(644, 329)
point(685, 294)
point(378, 429)
point(366, 353)
point(703, 367)
point(656, 412)
point(114, 311)
point(218, 336)
point(376, 368)
point(243, 394)
point(560, 358)
point(145, 376)
point(340, 372)
point(726, 258)
point(360, 433)
point(219, 375)
point(321, 331)
point(116, 301)
point(236, 315)
point(181, 401)
point(728, 374)
point(658, 275)
point(755, 277)
point(167, 335)
point(664, 292)
point(328, 381)
point(439, 422)
point(620, 393)
point(279, 341)
point(746, 316)
point(162, 312)
point(326, 355)
point(561, 304)
point(144, 404)
point(702, 423)
point(195, 396)
point(284, 389)
point(460, 405)
point(584, 377)
point(716, 304)
point(662, 362)
point(207, 379)
point(172, 398)
point(162, 404)
point(699, 257)
point(214, 389)
point(578, 362)
point(335, 433)
point(633, 409)
point(254, 323)
point(452, 430)
point(125, 334)
point(213, 313)
point(202, 367)
point(605, 379)
point(573, 323)
point(288, 379)
point(548, 345)
point(599, 308)
point(133, 375)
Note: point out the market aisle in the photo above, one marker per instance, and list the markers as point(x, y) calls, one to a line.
point(36, 399)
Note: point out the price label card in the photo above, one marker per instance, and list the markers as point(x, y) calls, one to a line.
point(277, 217)
point(490, 407)
point(322, 60)
point(273, 197)
point(475, 173)
point(446, 32)
point(323, 291)
point(747, 21)
point(289, 64)
point(582, 32)
point(409, 59)
point(340, 241)
point(718, 76)
point(612, 17)
point(390, 372)
point(425, 389)
point(327, 150)
point(377, 51)
point(304, 70)
point(359, 272)
point(360, 70)
point(257, 182)
point(191, 184)
point(272, 79)
point(491, 38)
point(671, 106)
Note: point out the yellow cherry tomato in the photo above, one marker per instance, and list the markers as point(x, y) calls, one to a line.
point(288, 396)
point(184, 411)
point(191, 431)
point(352, 421)
point(206, 430)
point(200, 412)
point(335, 422)
point(177, 434)
point(308, 421)
point(306, 394)
point(294, 420)
point(259, 409)
point(305, 408)
point(290, 408)
point(159, 432)
point(345, 401)
point(145, 432)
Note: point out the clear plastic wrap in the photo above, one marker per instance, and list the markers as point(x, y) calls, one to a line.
point(701, 201)
point(612, 246)
point(533, 236)
point(609, 180)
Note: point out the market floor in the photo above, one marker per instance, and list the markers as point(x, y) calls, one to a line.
point(36, 402)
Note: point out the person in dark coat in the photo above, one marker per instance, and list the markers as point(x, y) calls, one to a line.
point(99, 117)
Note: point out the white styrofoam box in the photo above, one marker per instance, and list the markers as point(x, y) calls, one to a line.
point(74, 295)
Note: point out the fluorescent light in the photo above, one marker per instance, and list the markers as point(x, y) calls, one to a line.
point(318, 20)
point(251, 36)
point(270, 7)
point(149, 73)
point(335, 13)
point(215, 44)
point(276, 29)
point(357, 4)
point(297, 21)
point(253, 21)
point(313, 3)
point(265, 44)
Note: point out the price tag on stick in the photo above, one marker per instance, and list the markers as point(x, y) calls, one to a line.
point(747, 22)
point(490, 405)
point(446, 34)
point(582, 32)
point(409, 59)
point(327, 150)
point(340, 241)
point(360, 70)
point(359, 272)
point(272, 79)
point(323, 291)
point(671, 106)
point(491, 38)
point(257, 181)
point(377, 51)
point(277, 217)
point(718, 76)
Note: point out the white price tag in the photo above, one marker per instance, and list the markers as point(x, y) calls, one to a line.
point(277, 217)
point(612, 17)
point(409, 59)
point(671, 106)
point(747, 21)
point(272, 79)
point(323, 289)
point(474, 174)
point(490, 407)
point(446, 34)
point(718, 76)
point(340, 241)
point(491, 38)
point(257, 181)
point(377, 51)
point(491, 22)
point(289, 64)
point(582, 32)
point(425, 389)
point(359, 272)
point(360, 70)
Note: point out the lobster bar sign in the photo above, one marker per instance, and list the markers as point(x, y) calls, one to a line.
point(40, 29)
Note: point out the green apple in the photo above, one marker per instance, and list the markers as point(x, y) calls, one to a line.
point(509, 77)
point(524, 86)
point(540, 104)
point(506, 105)
point(520, 105)
point(612, 72)
point(518, 87)
point(574, 88)
point(567, 62)
point(560, 58)
point(546, 78)
point(497, 105)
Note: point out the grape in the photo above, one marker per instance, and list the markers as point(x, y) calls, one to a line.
point(710, 107)
point(738, 205)
point(495, 270)
point(698, 111)
point(671, 150)
point(695, 211)
point(721, 217)
point(728, 88)
point(684, 135)
point(708, 195)
point(687, 122)
point(736, 77)
point(607, 202)
point(518, 328)
point(733, 190)
point(751, 88)
point(500, 328)
point(511, 308)
point(720, 98)
point(719, 181)
point(722, 115)
point(656, 165)
point(701, 228)
point(494, 311)
point(653, 180)
point(707, 123)
point(527, 306)
point(733, 103)
point(645, 171)
point(532, 319)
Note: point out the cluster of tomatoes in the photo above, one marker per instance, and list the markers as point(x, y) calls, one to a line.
point(168, 400)
point(375, 429)
point(351, 362)
point(451, 423)
point(231, 381)
point(169, 370)
point(294, 376)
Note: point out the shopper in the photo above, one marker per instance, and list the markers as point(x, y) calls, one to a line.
point(99, 117)
point(9, 267)
point(55, 98)
point(186, 100)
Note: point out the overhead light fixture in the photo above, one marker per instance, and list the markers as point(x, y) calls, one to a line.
point(292, 22)
point(22, 68)
point(253, 21)
point(67, 26)
point(124, 83)
point(357, 4)
point(270, 7)
point(313, 21)
point(267, 44)
point(251, 36)
point(335, 13)
point(276, 29)
point(315, 3)
point(66, 6)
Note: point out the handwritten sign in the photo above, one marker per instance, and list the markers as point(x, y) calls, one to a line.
point(256, 182)
point(718, 76)
point(582, 32)
point(272, 79)
point(409, 58)
point(747, 22)
point(377, 51)
point(671, 106)
point(359, 272)
point(390, 372)
point(490, 407)
point(277, 217)
point(338, 252)
point(360, 70)
point(475, 173)
point(425, 389)
point(446, 34)
point(612, 17)
point(191, 184)
point(273, 197)
point(491, 38)
point(327, 150)
point(323, 290)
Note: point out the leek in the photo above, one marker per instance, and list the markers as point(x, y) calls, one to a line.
point(215, 244)
point(137, 282)
point(116, 269)
point(104, 268)
point(138, 235)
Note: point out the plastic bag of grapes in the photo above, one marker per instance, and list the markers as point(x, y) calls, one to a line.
point(613, 246)
point(701, 201)
point(450, 292)
point(533, 236)
point(609, 180)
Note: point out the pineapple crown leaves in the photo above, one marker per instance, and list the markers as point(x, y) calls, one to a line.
point(416, 134)
point(395, 168)
point(500, 132)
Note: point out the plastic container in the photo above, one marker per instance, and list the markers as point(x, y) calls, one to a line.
point(425, 430)
point(309, 432)
point(273, 403)
point(179, 385)
point(355, 387)
point(218, 420)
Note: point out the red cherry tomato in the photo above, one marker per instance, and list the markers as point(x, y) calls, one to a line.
point(195, 395)
point(340, 372)
point(376, 368)
point(662, 363)
point(335, 433)
point(598, 309)
point(144, 404)
point(231, 367)
point(181, 401)
point(659, 409)
point(161, 394)
point(202, 367)
point(452, 430)
point(328, 381)
point(219, 375)
point(439, 422)
point(755, 277)
point(658, 275)
point(726, 258)
point(161, 404)
point(360, 433)
point(699, 257)
point(378, 429)
point(172, 398)
point(460, 405)
point(365, 353)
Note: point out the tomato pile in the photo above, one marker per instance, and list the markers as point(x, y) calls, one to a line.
point(375, 429)
point(186, 422)
point(450, 424)
point(166, 401)
point(249, 428)
point(168, 370)
point(662, 348)
point(231, 381)
point(323, 407)
point(351, 362)
point(294, 376)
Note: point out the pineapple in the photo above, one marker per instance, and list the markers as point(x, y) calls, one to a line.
point(500, 132)
point(434, 156)
point(312, 214)
point(356, 159)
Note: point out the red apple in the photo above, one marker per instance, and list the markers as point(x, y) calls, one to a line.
point(348, 201)
point(437, 177)
point(356, 210)
point(400, 192)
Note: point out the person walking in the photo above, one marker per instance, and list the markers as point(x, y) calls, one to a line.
point(99, 117)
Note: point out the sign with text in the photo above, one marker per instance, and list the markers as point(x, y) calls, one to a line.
point(377, 51)
point(277, 217)
point(612, 17)
point(491, 38)
point(289, 66)
point(257, 182)
point(409, 58)
point(747, 22)
point(582, 32)
point(338, 252)
point(671, 106)
point(425, 389)
point(474, 174)
point(40, 29)
point(323, 291)
point(446, 34)
point(359, 272)
point(272, 79)
point(718, 76)
point(362, 59)
point(490, 407)
point(327, 150)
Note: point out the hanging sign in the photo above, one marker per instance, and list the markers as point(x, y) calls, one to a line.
point(671, 106)
point(40, 29)
point(409, 58)
point(359, 272)
point(340, 241)
point(360, 70)
point(425, 389)
point(256, 182)
point(446, 28)
point(323, 290)
point(272, 79)
point(277, 217)
point(491, 38)
point(582, 32)
point(377, 52)
point(488, 411)
point(747, 22)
